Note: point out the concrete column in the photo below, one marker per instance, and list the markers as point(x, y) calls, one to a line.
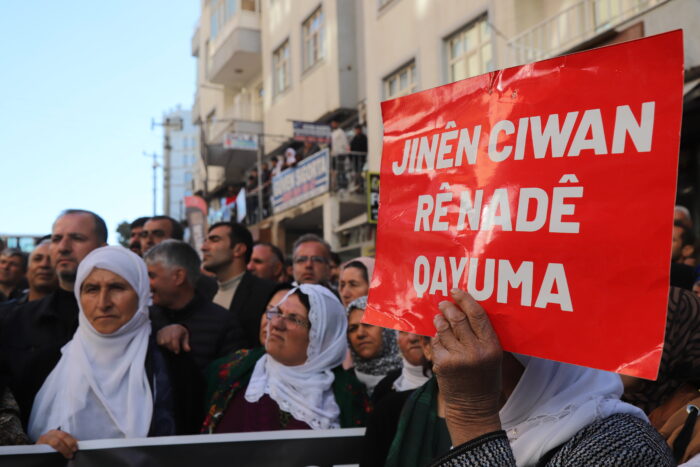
point(331, 220)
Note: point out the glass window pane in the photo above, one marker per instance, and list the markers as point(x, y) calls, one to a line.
point(472, 39)
point(485, 30)
point(456, 49)
point(474, 65)
point(392, 87)
point(403, 78)
point(459, 70)
point(486, 58)
point(248, 5)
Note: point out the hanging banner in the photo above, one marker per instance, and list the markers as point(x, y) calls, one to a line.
point(196, 214)
point(323, 448)
point(311, 132)
point(308, 179)
point(546, 191)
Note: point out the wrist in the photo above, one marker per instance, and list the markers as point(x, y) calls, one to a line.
point(465, 425)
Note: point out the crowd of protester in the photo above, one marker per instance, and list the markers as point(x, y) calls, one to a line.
point(239, 338)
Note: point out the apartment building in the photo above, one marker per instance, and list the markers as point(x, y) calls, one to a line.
point(319, 60)
point(180, 152)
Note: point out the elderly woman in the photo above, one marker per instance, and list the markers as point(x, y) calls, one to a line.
point(374, 349)
point(502, 409)
point(104, 384)
point(295, 382)
point(355, 277)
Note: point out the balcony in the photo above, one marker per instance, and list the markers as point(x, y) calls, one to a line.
point(343, 176)
point(243, 116)
point(573, 26)
point(235, 44)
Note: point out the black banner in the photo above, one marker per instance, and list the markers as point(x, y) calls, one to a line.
point(302, 448)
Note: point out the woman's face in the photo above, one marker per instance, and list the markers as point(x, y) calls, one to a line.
point(365, 339)
point(108, 300)
point(352, 285)
point(289, 333)
point(411, 348)
point(276, 298)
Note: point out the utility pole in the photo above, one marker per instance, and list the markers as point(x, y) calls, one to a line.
point(155, 180)
point(168, 124)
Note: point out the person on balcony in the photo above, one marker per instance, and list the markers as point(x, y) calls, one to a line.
point(359, 141)
point(339, 141)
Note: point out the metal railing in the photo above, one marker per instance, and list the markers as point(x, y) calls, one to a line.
point(573, 25)
point(346, 177)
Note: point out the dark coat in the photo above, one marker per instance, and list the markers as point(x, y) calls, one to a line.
point(249, 303)
point(214, 332)
point(177, 387)
point(31, 337)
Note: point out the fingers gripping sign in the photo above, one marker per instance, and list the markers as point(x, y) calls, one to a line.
point(61, 441)
point(467, 363)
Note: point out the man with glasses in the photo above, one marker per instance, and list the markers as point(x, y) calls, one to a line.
point(311, 260)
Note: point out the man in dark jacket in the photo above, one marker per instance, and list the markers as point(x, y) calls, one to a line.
point(173, 268)
point(227, 251)
point(32, 334)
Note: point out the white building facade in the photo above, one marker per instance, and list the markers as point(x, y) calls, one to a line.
point(271, 62)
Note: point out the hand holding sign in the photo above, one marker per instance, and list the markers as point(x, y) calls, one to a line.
point(467, 363)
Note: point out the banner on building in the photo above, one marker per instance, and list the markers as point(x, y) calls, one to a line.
point(308, 179)
point(196, 214)
point(311, 132)
point(323, 448)
point(546, 191)
point(372, 197)
point(243, 141)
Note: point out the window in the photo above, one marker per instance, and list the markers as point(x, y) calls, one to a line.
point(280, 65)
point(313, 35)
point(249, 5)
point(230, 8)
point(401, 82)
point(214, 24)
point(469, 51)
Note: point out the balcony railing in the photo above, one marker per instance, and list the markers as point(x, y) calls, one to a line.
point(572, 26)
point(320, 173)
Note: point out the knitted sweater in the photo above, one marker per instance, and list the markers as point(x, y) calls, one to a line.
point(619, 440)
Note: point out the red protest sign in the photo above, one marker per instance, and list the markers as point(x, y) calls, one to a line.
point(547, 192)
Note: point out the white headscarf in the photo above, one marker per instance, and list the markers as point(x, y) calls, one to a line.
point(305, 391)
point(99, 387)
point(411, 377)
point(553, 401)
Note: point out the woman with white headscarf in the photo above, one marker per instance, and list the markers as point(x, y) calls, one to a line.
point(504, 409)
point(295, 382)
point(105, 382)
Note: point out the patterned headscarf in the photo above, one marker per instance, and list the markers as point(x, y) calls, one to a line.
point(680, 360)
point(390, 356)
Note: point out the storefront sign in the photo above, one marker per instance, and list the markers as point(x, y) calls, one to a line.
point(244, 141)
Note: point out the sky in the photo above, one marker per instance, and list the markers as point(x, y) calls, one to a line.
point(80, 82)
